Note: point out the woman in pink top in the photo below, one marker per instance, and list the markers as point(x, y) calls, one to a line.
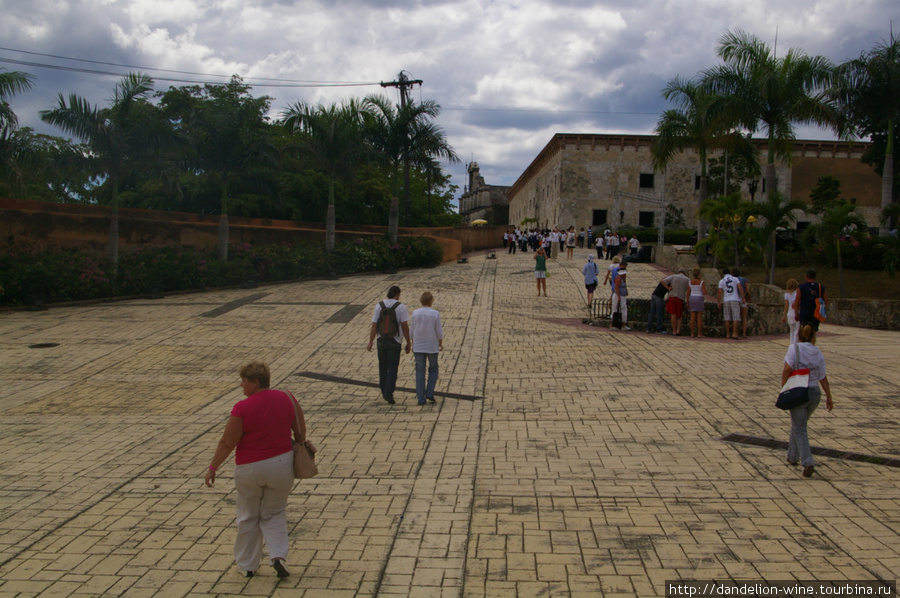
point(260, 429)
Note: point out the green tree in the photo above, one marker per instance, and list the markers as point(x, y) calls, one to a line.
point(740, 162)
point(838, 223)
point(14, 146)
point(119, 139)
point(728, 215)
point(776, 213)
point(227, 128)
point(868, 89)
point(11, 83)
point(405, 136)
point(332, 138)
point(763, 91)
point(826, 191)
point(695, 122)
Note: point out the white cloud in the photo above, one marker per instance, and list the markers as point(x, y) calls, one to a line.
point(551, 61)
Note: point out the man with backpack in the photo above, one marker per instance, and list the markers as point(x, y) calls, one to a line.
point(390, 319)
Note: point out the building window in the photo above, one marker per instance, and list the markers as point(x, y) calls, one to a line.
point(646, 181)
point(646, 218)
point(697, 183)
point(599, 218)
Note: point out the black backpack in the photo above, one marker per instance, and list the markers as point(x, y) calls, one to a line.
point(387, 324)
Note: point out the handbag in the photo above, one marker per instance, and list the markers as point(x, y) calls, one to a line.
point(819, 314)
point(617, 319)
point(795, 391)
point(304, 452)
point(305, 460)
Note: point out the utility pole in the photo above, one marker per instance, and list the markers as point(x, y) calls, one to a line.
point(404, 84)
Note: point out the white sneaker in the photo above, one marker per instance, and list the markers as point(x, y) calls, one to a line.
point(625, 328)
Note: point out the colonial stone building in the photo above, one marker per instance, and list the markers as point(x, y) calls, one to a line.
point(590, 180)
point(482, 201)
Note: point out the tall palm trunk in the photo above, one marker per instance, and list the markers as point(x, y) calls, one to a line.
point(394, 220)
point(770, 168)
point(113, 246)
point(704, 192)
point(406, 195)
point(737, 252)
point(222, 240)
point(887, 177)
point(330, 217)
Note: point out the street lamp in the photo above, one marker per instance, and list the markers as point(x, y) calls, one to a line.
point(752, 184)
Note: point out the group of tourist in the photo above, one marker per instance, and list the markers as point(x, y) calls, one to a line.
point(556, 240)
point(262, 427)
point(733, 295)
point(551, 240)
point(611, 243)
point(684, 294)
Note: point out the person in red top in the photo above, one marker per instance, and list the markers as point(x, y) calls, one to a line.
point(260, 428)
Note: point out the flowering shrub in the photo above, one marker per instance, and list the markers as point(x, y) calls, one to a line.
point(58, 276)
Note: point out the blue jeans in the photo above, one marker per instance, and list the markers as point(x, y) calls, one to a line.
point(388, 364)
point(657, 312)
point(798, 447)
point(422, 390)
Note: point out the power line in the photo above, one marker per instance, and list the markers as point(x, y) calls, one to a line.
point(403, 83)
point(260, 83)
point(548, 111)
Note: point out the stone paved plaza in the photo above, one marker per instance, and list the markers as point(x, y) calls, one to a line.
point(563, 460)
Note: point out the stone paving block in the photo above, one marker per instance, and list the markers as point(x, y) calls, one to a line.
point(590, 464)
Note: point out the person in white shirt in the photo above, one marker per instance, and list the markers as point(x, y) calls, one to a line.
point(389, 347)
point(633, 245)
point(790, 314)
point(614, 243)
point(428, 340)
point(804, 354)
point(730, 293)
point(554, 243)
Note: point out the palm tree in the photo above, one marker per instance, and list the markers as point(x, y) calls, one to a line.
point(727, 213)
point(776, 213)
point(698, 122)
point(771, 93)
point(117, 137)
point(868, 89)
point(693, 124)
point(889, 212)
point(11, 83)
point(13, 144)
point(839, 221)
point(333, 140)
point(405, 136)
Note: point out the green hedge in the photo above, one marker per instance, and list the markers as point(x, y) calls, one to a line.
point(58, 276)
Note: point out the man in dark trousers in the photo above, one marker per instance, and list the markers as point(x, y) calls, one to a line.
point(388, 328)
point(805, 303)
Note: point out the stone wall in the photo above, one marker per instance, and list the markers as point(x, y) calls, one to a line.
point(574, 175)
point(32, 225)
point(769, 300)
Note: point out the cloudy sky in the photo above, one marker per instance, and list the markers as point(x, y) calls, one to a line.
point(508, 75)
